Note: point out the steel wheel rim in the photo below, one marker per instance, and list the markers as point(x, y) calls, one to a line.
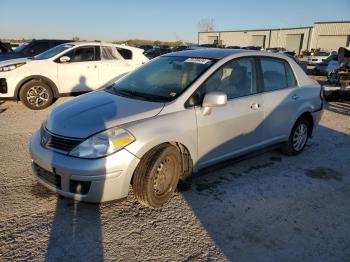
point(164, 176)
point(300, 137)
point(37, 96)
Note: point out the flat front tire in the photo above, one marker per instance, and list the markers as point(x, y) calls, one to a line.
point(36, 95)
point(298, 137)
point(156, 177)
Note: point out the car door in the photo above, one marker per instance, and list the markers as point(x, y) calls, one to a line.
point(236, 127)
point(80, 74)
point(281, 98)
point(112, 65)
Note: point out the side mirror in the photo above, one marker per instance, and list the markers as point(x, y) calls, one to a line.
point(213, 99)
point(64, 59)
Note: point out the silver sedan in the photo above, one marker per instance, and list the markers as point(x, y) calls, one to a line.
point(173, 116)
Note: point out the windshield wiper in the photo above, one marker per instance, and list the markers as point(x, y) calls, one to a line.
point(130, 93)
point(149, 97)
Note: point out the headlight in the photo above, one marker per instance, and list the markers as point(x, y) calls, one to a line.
point(104, 143)
point(10, 67)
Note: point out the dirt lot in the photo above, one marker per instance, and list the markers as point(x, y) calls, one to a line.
point(267, 207)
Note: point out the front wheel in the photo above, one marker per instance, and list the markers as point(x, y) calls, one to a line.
point(156, 177)
point(36, 95)
point(298, 138)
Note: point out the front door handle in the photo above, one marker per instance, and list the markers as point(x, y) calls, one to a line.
point(295, 97)
point(255, 106)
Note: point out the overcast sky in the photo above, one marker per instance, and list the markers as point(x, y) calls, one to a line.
point(155, 19)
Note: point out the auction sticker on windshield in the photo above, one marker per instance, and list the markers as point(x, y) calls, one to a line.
point(197, 60)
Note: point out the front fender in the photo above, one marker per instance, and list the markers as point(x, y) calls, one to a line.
point(177, 127)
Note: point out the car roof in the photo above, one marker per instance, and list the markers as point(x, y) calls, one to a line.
point(80, 43)
point(212, 53)
point(220, 53)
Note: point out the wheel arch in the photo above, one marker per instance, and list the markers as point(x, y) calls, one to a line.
point(41, 78)
point(309, 118)
point(186, 158)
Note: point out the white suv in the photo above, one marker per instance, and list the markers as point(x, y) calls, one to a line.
point(66, 69)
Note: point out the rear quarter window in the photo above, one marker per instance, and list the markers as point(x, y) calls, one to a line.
point(125, 53)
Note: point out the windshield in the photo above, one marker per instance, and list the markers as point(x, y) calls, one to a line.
point(52, 52)
point(21, 47)
point(162, 79)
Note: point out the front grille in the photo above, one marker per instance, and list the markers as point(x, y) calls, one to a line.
point(47, 176)
point(59, 143)
point(3, 86)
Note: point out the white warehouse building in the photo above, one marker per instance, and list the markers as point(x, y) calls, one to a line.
point(326, 36)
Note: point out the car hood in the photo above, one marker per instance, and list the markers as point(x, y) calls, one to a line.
point(91, 113)
point(9, 56)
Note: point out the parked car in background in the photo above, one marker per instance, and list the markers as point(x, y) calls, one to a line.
point(339, 78)
point(145, 47)
point(327, 65)
point(69, 68)
point(290, 53)
point(233, 47)
point(32, 48)
point(14, 45)
point(319, 56)
point(5, 48)
point(252, 47)
point(275, 49)
point(155, 52)
point(133, 55)
point(180, 48)
point(175, 115)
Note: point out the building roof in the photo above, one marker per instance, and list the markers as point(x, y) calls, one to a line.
point(212, 53)
point(274, 29)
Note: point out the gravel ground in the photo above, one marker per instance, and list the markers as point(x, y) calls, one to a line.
point(267, 207)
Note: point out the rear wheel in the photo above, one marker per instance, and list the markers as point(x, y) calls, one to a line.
point(36, 95)
point(156, 177)
point(298, 137)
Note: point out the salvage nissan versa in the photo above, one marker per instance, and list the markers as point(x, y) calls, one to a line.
point(173, 116)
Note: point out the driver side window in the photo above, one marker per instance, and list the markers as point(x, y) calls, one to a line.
point(236, 79)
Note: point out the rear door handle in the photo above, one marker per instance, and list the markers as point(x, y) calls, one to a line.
point(255, 106)
point(295, 97)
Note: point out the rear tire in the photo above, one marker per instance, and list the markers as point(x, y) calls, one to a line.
point(298, 138)
point(156, 176)
point(36, 95)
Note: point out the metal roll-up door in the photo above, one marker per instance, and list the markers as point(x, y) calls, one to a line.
point(212, 40)
point(294, 42)
point(331, 42)
point(258, 40)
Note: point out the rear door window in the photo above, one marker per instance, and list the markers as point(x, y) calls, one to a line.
point(276, 74)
